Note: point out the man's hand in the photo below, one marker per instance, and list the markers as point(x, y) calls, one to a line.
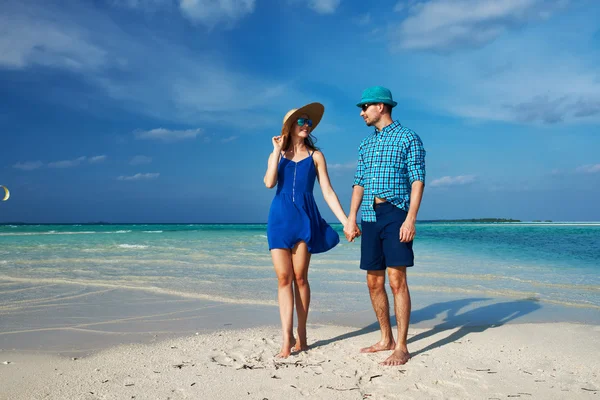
point(407, 230)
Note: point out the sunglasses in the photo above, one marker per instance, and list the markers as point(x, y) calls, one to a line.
point(366, 105)
point(302, 121)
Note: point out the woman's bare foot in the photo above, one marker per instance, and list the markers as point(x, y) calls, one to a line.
point(286, 349)
point(398, 357)
point(299, 346)
point(301, 343)
point(380, 346)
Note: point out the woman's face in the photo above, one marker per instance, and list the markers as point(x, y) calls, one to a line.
point(302, 126)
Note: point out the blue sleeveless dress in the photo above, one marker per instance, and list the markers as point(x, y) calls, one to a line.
point(294, 215)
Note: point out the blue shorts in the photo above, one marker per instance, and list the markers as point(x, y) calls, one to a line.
point(380, 245)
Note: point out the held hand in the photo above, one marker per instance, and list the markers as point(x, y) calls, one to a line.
point(277, 143)
point(351, 231)
point(407, 231)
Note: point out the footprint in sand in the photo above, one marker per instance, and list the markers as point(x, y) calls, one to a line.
point(456, 387)
point(343, 373)
point(222, 359)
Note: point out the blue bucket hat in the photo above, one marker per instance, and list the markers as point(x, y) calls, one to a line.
point(377, 94)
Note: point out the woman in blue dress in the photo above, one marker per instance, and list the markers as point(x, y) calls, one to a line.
point(295, 228)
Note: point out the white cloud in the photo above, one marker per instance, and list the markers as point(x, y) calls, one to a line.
point(339, 167)
point(139, 160)
point(404, 5)
point(522, 80)
point(363, 20)
point(139, 177)
point(207, 12)
point(28, 165)
point(453, 180)
point(324, 6)
point(146, 4)
point(229, 139)
point(97, 159)
point(589, 168)
point(448, 25)
point(66, 163)
point(167, 135)
point(214, 12)
point(31, 165)
point(192, 87)
point(34, 38)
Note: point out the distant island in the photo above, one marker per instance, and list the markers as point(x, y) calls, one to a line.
point(474, 220)
point(477, 220)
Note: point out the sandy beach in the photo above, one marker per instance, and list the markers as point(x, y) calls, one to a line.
point(190, 312)
point(541, 361)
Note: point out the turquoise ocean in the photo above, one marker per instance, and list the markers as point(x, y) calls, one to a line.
point(547, 271)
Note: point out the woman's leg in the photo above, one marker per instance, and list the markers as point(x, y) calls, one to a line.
point(300, 262)
point(282, 260)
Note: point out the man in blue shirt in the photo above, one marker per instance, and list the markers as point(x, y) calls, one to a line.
point(389, 182)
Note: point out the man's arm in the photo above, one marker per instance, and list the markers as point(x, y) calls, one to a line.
point(351, 229)
point(408, 230)
point(416, 175)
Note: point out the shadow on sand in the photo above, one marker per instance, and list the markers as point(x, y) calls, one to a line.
point(471, 321)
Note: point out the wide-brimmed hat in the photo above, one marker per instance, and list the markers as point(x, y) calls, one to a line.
point(377, 94)
point(313, 110)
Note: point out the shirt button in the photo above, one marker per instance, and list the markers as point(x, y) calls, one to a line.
point(377, 153)
point(374, 165)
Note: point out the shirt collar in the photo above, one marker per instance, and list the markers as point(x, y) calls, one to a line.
point(394, 125)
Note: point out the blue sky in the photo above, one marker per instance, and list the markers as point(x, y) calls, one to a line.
point(163, 110)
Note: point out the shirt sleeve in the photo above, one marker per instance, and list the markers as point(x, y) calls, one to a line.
point(416, 160)
point(360, 169)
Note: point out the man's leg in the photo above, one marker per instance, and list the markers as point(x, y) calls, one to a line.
point(379, 300)
point(402, 306)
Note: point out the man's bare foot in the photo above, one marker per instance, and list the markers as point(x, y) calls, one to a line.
point(398, 357)
point(286, 349)
point(378, 347)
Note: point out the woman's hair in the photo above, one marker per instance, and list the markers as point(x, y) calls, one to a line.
point(309, 142)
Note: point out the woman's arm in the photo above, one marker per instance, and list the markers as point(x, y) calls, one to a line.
point(329, 194)
point(270, 178)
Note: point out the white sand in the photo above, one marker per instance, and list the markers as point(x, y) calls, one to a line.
point(531, 361)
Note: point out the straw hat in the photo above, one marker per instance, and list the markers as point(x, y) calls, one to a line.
point(313, 110)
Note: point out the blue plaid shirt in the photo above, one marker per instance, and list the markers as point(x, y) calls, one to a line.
point(389, 161)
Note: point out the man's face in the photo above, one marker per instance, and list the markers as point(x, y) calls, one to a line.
point(371, 113)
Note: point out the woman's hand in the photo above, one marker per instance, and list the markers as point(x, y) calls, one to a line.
point(351, 230)
point(277, 143)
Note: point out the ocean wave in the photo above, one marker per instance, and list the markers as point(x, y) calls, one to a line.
point(153, 231)
point(53, 232)
point(122, 286)
point(132, 246)
point(47, 233)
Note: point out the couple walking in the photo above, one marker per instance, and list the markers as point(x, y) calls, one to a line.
point(389, 183)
